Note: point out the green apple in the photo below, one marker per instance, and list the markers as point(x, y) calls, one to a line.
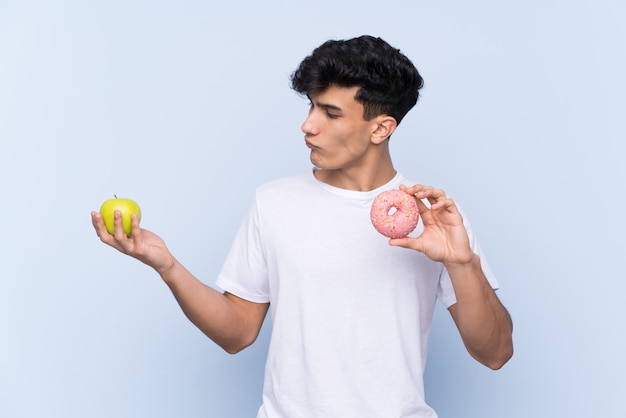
point(127, 207)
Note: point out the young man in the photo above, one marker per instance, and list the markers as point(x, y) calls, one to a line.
point(351, 310)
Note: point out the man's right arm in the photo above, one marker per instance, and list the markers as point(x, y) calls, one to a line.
point(231, 322)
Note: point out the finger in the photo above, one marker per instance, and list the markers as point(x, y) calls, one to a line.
point(399, 242)
point(420, 192)
point(135, 232)
point(118, 228)
point(444, 203)
point(412, 189)
point(421, 207)
point(98, 224)
point(434, 196)
point(102, 232)
point(424, 192)
point(96, 220)
point(407, 242)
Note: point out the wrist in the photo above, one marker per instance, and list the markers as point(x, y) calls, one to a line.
point(165, 270)
point(467, 263)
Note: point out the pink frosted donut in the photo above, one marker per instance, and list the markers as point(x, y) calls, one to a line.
point(400, 223)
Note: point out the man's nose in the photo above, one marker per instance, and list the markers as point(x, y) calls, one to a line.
point(309, 127)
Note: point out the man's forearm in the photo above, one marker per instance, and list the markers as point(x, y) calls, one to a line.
point(484, 323)
point(230, 322)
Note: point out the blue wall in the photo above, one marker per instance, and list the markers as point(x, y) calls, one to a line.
point(174, 103)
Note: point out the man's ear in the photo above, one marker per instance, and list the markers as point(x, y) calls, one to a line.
point(384, 128)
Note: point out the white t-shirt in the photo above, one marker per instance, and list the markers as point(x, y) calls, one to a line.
point(351, 315)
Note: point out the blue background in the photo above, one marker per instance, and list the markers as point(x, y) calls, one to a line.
point(185, 107)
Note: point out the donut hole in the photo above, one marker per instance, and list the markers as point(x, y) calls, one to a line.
point(392, 210)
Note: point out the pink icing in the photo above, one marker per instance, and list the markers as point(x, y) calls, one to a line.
point(400, 223)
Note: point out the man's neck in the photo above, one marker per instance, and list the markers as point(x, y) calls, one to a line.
point(362, 179)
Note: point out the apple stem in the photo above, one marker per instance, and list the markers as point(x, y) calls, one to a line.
point(115, 196)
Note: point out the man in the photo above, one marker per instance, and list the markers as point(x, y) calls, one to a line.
point(351, 310)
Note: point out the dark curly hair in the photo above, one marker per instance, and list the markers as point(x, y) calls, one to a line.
point(389, 82)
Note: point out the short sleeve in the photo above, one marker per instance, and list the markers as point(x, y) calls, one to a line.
point(244, 272)
point(445, 293)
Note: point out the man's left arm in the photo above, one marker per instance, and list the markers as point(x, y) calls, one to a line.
point(483, 322)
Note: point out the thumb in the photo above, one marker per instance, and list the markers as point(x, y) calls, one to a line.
point(407, 242)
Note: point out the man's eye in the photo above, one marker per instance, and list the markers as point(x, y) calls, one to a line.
point(332, 115)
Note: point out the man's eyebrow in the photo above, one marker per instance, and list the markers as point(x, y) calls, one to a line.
point(327, 105)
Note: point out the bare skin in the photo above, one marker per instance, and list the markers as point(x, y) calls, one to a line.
point(351, 153)
point(361, 160)
point(233, 323)
point(483, 322)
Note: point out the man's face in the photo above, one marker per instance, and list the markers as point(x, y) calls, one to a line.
point(335, 130)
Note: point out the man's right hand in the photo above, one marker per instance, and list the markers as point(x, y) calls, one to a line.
point(142, 244)
point(233, 323)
